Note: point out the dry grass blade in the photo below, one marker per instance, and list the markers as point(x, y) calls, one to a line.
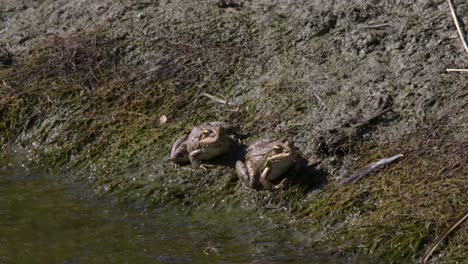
point(217, 99)
point(450, 230)
point(373, 118)
point(455, 19)
point(457, 70)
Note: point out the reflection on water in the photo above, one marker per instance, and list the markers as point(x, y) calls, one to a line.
point(45, 221)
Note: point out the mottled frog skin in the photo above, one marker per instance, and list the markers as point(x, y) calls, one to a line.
point(266, 161)
point(204, 142)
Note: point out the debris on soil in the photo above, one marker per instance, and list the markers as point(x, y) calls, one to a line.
point(361, 173)
point(217, 99)
point(236, 4)
point(163, 120)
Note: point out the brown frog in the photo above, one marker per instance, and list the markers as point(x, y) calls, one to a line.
point(204, 142)
point(266, 161)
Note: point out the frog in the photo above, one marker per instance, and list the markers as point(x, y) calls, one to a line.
point(266, 161)
point(204, 142)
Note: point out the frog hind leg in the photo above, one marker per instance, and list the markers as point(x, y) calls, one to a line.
point(179, 150)
point(244, 174)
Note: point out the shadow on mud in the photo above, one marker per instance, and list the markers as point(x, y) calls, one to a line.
point(310, 176)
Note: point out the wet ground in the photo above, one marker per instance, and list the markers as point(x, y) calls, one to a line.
point(46, 221)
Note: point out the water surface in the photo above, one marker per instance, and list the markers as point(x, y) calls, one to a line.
point(43, 220)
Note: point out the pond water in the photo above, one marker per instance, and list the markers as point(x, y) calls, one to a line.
point(45, 220)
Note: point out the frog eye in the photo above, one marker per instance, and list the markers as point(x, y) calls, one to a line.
point(205, 132)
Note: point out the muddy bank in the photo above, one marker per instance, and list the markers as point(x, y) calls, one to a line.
point(85, 85)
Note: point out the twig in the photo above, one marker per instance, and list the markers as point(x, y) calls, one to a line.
point(370, 168)
point(453, 227)
point(375, 26)
point(320, 100)
point(372, 118)
point(457, 70)
point(454, 15)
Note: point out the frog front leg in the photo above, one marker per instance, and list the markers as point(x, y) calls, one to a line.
point(266, 183)
point(194, 158)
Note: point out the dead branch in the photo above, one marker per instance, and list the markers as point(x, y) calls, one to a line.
point(457, 25)
point(450, 230)
point(370, 168)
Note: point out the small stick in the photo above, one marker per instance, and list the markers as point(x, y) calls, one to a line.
point(460, 33)
point(375, 26)
point(372, 118)
point(457, 70)
point(370, 168)
point(433, 248)
point(320, 100)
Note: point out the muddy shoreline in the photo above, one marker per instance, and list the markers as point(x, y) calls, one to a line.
point(84, 86)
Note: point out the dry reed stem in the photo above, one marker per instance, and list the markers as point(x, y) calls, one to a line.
point(457, 70)
point(450, 230)
point(454, 15)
